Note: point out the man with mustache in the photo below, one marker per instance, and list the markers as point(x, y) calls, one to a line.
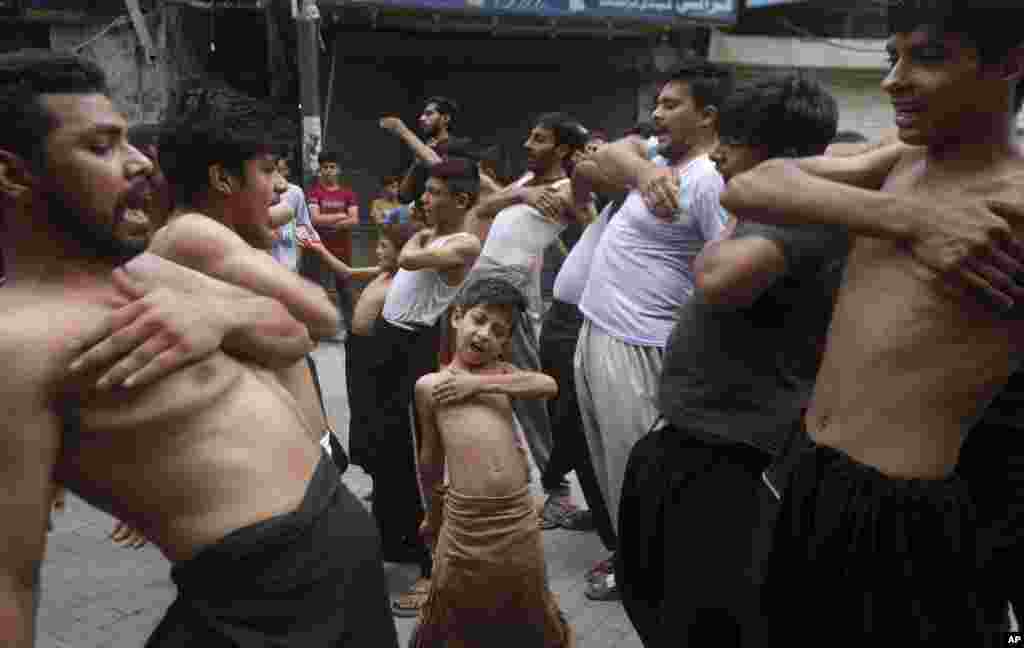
point(214, 463)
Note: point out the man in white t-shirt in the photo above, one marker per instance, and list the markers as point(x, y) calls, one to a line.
point(642, 270)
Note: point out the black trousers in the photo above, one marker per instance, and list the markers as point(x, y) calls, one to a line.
point(309, 578)
point(897, 559)
point(694, 527)
point(404, 357)
point(361, 363)
point(570, 451)
point(992, 463)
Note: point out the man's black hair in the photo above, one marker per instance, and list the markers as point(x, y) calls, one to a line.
point(327, 156)
point(643, 129)
point(461, 175)
point(849, 137)
point(145, 135)
point(994, 27)
point(445, 106)
point(189, 147)
point(788, 116)
point(709, 83)
point(492, 291)
point(25, 76)
point(566, 129)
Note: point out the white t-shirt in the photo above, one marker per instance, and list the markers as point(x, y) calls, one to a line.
point(642, 270)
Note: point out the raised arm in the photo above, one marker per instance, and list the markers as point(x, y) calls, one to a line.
point(29, 442)
point(968, 241)
point(456, 252)
point(509, 380)
point(615, 168)
point(203, 244)
point(281, 214)
point(487, 207)
point(735, 272)
point(424, 153)
point(172, 316)
point(825, 191)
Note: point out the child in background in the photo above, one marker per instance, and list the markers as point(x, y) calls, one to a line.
point(360, 352)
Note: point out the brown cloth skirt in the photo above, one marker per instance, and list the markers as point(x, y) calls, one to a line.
point(489, 585)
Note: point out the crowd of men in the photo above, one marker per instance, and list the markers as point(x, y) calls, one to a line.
point(780, 359)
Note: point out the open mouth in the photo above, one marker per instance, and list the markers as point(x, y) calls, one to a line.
point(477, 347)
point(907, 112)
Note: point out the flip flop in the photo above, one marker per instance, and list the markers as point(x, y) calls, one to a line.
point(408, 605)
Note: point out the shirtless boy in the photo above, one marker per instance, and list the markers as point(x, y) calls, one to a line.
point(361, 354)
point(215, 449)
point(489, 586)
point(871, 510)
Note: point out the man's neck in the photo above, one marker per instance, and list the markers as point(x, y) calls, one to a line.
point(41, 251)
point(548, 176)
point(978, 149)
point(444, 229)
point(210, 210)
point(702, 144)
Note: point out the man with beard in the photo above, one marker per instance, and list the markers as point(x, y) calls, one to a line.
point(521, 222)
point(642, 271)
point(214, 462)
point(435, 122)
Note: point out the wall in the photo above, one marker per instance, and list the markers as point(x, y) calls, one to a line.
point(501, 84)
point(139, 89)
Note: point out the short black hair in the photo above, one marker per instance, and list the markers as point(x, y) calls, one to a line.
point(25, 76)
point(145, 135)
point(189, 146)
point(446, 106)
point(709, 83)
point(994, 27)
point(788, 116)
point(327, 156)
point(566, 129)
point(492, 291)
point(462, 175)
point(641, 128)
point(849, 137)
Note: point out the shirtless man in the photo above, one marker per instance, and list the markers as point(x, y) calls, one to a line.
point(517, 225)
point(490, 581)
point(871, 511)
point(216, 449)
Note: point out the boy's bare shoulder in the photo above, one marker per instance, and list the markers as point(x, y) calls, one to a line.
point(428, 381)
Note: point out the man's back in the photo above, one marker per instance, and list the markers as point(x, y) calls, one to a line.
point(911, 363)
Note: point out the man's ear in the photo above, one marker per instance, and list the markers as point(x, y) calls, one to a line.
point(456, 316)
point(709, 116)
point(15, 176)
point(220, 179)
point(1013, 66)
point(463, 200)
point(563, 151)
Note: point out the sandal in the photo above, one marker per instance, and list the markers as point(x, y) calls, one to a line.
point(408, 605)
point(603, 590)
point(601, 569)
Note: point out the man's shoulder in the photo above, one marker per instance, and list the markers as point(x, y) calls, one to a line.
point(37, 338)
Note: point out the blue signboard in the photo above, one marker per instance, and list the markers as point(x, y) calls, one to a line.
point(756, 4)
point(716, 11)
